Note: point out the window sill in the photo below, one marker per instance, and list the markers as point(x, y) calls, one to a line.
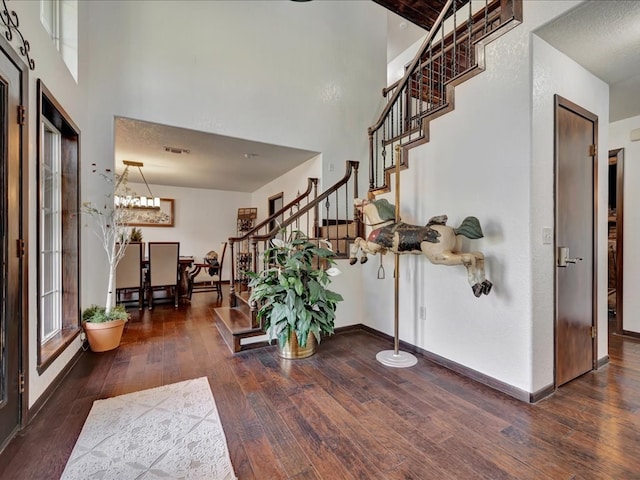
point(55, 346)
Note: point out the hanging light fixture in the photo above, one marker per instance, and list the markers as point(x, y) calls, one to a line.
point(136, 201)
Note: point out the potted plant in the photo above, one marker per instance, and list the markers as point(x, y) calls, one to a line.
point(110, 226)
point(294, 304)
point(104, 330)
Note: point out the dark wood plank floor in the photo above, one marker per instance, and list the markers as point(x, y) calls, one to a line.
point(342, 415)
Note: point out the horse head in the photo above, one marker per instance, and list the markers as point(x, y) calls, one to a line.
point(376, 211)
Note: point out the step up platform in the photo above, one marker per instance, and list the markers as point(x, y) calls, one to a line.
point(235, 324)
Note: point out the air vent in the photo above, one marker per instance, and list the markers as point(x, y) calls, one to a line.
point(176, 150)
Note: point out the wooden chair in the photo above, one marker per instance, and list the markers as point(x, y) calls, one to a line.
point(129, 273)
point(206, 276)
point(164, 269)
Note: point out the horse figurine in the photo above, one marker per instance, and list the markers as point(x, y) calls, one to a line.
point(435, 240)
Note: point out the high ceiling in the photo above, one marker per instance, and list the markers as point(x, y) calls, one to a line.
point(604, 37)
point(601, 35)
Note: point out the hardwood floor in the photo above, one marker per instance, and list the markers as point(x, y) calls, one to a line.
point(342, 415)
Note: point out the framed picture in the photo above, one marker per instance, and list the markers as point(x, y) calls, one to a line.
point(165, 218)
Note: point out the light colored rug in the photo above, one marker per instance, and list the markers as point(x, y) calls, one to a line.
point(169, 432)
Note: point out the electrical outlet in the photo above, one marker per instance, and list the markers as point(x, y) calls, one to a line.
point(547, 236)
point(83, 337)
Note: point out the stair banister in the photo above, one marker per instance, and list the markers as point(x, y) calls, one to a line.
point(312, 184)
point(407, 74)
point(351, 166)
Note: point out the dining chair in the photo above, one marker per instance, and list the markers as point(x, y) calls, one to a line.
point(206, 276)
point(129, 272)
point(163, 269)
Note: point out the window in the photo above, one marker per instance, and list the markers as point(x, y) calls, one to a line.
point(50, 232)
point(58, 229)
point(60, 19)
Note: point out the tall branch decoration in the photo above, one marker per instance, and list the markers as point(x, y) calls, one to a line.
point(11, 23)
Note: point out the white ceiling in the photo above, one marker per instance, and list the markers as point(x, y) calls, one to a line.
point(213, 162)
point(601, 35)
point(604, 37)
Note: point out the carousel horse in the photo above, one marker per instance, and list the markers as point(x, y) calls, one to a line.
point(435, 240)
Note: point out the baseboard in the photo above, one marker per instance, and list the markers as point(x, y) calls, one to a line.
point(40, 402)
point(474, 375)
point(542, 393)
point(603, 361)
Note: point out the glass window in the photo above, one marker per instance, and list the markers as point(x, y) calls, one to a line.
point(50, 232)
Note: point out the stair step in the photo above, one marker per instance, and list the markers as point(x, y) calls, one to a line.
point(234, 325)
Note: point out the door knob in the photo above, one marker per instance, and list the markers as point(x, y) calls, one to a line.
point(563, 257)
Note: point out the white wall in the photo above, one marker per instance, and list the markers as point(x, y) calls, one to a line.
point(554, 73)
point(619, 137)
point(51, 69)
point(479, 161)
point(305, 75)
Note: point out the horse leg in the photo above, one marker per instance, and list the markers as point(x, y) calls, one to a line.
point(481, 283)
point(353, 256)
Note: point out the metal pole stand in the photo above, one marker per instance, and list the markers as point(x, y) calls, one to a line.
point(396, 358)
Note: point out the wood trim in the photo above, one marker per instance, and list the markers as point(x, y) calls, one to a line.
point(50, 108)
point(474, 375)
point(618, 154)
point(51, 388)
point(22, 67)
point(561, 102)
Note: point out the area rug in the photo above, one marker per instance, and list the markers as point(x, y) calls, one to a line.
point(169, 432)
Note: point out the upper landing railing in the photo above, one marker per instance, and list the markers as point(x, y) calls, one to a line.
point(452, 52)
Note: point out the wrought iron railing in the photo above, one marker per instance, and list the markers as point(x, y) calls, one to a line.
point(330, 216)
point(452, 52)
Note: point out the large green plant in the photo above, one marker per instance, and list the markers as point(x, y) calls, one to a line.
point(291, 293)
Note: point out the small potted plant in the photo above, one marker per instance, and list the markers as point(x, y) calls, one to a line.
point(294, 304)
point(104, 330)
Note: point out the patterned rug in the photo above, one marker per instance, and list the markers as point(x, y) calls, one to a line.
point(169, 432)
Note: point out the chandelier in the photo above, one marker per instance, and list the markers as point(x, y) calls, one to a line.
point(137, 202)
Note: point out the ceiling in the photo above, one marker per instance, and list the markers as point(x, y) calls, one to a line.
point(601, 35)
point(210, 161)
point(604, 37)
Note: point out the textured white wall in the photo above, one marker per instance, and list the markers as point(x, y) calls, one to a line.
point(554, 73)
point(619, 133)
point(479, 162)
point(302, 75)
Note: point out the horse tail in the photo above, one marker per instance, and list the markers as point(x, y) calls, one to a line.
point(470, 228)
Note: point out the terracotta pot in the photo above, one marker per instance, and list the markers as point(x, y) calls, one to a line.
point(104, 336)
point(292, 350)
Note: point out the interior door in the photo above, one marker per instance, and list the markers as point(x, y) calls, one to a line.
point(11, 250)
point(575, 136)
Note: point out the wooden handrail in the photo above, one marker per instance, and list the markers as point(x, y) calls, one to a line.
point(412, 67)
point(311, 182)
point(351, 166)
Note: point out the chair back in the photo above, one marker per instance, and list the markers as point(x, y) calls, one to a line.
point(129, 269)
point(163, 263)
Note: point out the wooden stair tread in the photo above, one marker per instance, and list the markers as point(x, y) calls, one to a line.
point(236, 321)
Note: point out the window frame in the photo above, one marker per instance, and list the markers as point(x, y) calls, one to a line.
point(50, 109)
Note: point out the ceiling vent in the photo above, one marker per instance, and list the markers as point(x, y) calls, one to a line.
point(176, 150)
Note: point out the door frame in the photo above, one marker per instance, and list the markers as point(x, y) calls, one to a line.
point(618, 154)
point(578, 110)
point(23, 348)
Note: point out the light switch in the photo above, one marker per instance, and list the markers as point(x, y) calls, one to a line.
point(547, 236)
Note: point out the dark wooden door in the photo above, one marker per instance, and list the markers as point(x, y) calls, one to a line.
point(10, 250)
point(576, 131)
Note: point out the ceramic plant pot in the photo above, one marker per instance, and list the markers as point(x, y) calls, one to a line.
point(104, 336)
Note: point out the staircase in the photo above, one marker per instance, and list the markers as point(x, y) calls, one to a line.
point(452, 53)
point(329, 216)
